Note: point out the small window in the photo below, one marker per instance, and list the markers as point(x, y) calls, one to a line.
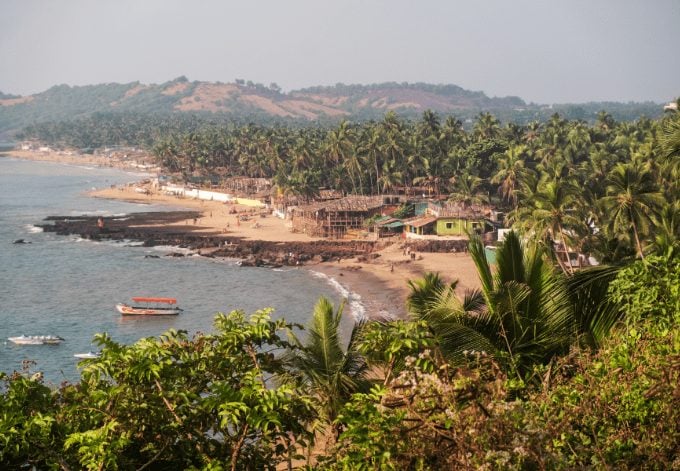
point(449, 225)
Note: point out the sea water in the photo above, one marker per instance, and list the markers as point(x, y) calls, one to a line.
point(68, 286)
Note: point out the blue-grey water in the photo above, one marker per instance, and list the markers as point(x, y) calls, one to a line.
point(67, 286)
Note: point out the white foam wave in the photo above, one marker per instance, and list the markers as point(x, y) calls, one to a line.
point(172, 248)
point(356, 306)
point(33, 229)
point(97, 212)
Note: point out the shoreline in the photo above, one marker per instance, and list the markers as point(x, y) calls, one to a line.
point(380, 279)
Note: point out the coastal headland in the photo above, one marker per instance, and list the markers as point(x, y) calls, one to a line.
point(378, 271)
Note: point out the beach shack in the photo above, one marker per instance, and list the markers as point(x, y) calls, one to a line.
point(335, 218)
point(439, 219)
point(387, 226)
point(420, 225)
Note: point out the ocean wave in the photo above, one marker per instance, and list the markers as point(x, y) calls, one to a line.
point(98, 212)
point(356, 306)
point(172, 248)
point(33, 229)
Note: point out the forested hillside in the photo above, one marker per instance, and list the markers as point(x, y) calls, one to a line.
point(260, 103)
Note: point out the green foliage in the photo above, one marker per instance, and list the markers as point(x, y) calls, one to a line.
point(650, 289)
point(404, 211)
point(388, 344)
point(208, 402)
point(613, 409)
point(28, 429)
point(321, 367)
point(618, 409)
point(443, 419)
point(521, 316)
point(169, 403)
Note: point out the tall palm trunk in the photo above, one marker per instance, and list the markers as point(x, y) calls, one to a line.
point(637, 236)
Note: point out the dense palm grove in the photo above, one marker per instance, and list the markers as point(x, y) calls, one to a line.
point(541, 368)
point(598, 188)
point(594, 187)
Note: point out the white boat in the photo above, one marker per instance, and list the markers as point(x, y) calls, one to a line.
point(36, 340)
point(87, 355)
point(149, 307)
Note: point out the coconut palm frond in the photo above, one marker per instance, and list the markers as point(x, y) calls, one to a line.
point(594, 314)
point(473, 301)
point(459, 340)
point(510, 260)
point(321, 366)
point(324, 342)
point(478, 254)
point(424, 291)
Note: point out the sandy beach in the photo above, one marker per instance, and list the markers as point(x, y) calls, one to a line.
point(380, 280)
point(71, 159)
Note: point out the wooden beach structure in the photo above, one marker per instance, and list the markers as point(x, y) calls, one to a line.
point(335, 218)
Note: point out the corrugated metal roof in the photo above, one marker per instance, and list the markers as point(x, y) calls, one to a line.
point(419, 222)
point(394, 224)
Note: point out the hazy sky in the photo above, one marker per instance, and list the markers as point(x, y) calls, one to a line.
point(543, 51)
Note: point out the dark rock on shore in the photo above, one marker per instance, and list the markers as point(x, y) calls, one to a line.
point(170, 228)
point(161, 228)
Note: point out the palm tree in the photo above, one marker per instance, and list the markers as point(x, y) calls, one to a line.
point(553, 216)
point(372, 151)
point(486, 127)
point(321, 367)
point(669, 139)
point(467, 189)
point(521, 316)
point(510, 170)
point(667, 228)
point(426, 291)
point(632, 197)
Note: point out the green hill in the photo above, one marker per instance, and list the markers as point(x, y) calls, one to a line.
point(248, 100)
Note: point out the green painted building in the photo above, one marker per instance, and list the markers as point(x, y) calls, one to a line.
point(453, 226)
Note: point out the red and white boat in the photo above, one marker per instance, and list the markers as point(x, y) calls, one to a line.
point(150, 307)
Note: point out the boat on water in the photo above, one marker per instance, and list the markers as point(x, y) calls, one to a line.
point(36, 340)
point(84, 356)
point(150, 307)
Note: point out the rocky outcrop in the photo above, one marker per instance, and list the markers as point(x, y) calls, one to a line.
point(164, 228)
